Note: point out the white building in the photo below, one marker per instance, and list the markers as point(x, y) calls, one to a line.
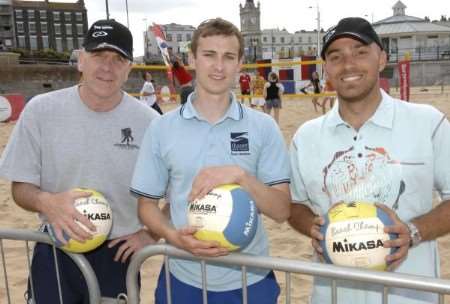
point(403, 35)
point(282, 44)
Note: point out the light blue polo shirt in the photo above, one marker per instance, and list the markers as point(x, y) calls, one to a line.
point(402, 146)
point(180, 143)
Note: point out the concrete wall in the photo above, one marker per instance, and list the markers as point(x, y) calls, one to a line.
point(425, 73)
point(33, 79)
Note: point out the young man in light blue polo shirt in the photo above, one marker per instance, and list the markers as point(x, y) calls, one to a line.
point(192, 152)
point(374, 148)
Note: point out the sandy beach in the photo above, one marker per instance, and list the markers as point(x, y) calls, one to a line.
point(284, 241)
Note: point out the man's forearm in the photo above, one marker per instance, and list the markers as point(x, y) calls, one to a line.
point(435, 223)
point(301, 218)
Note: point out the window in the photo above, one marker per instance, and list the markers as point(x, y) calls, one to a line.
point(21, 42)
point(300, 39)
point(20, 28)
point(80, 42)
point(19, 14)
point(79, 16)
point(169, 37)
point(30, 14)
point(274, 40)
point(69, 44)
point(80, 31)
point(264, 39)
point(32, 27)
point(43, 14)
point(45, 42)
point(188, 37)
point(309, 39)
point(56, 16)
point(179, 37)
point(57, 28)
point(282, 39)
point(59, 44)
point(33, 43)
point(69, 29)
point(44, 29)
point(67, 16)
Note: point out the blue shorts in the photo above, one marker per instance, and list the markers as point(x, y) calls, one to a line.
point(110, 275)
point(265, 291)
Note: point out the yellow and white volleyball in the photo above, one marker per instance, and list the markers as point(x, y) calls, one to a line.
point(354, 236)
point(97, 209)
point(5, 109)
point(227, 214)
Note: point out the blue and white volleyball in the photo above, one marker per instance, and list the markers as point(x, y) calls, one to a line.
point(97, 209)
point(227, 214)
point(354, 236)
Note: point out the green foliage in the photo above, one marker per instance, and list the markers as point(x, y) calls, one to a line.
point(45, 54)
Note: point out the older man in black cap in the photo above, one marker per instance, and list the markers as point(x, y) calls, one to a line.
point(373, 148)
point(74, 138)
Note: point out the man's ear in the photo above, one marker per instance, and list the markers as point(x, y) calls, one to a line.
point(80, 61)
point(382, 61)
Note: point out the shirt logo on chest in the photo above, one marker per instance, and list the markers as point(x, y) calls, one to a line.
point(239, 143)
point(127, 140)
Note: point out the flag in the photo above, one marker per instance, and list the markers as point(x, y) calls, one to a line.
point(163, 47)
point(162, 43)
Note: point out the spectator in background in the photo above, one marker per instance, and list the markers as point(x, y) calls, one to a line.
point(258, 92)
point(328, 99)
point(273, 90)
point(148, 93)
point(244, 84)
point(317, 88)
point(181, 75)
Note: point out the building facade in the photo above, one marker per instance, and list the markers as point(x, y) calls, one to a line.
point(279, 44)
point(40, 25)
point(7, 40)
point(411, 37)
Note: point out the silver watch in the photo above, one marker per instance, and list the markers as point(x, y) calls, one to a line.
point(414, 234)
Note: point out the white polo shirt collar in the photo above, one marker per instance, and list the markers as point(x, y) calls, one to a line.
point(383, 116)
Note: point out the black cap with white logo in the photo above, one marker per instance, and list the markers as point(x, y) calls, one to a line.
point(352, 27)
point(109, 35)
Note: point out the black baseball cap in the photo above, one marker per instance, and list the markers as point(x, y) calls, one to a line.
point(109, 35)
point(352, 27)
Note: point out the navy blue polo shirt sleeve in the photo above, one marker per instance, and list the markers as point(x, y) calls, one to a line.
point(273, 162)
point(150, 175)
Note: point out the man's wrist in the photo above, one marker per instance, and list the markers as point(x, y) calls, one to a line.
point(414, 234)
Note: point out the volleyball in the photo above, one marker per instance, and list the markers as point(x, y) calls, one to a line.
point(354, 236)
point(97, 209)
point(5, 109)
point(227, 214)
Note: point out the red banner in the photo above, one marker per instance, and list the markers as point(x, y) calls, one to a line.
point(403, 75)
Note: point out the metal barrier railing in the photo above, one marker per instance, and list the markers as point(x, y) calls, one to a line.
point(41, 237)
point(289, 266)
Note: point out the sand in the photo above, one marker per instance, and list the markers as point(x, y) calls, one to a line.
point(284, 241)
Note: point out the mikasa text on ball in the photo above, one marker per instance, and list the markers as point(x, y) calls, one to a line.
point(227, 214)
point(97, 209)
point(354, 235)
